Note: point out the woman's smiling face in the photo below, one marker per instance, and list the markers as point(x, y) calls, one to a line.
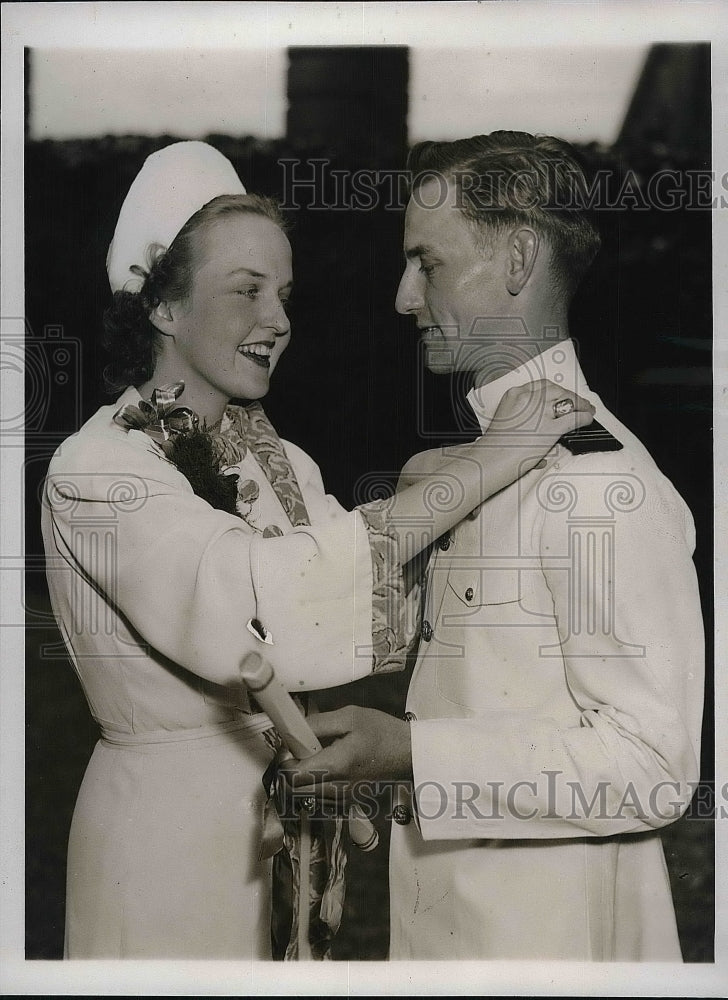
point(231, 330)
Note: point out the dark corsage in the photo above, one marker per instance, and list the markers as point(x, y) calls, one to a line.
point(192, 448)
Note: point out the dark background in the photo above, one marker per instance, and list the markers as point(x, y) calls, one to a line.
point(352, 392)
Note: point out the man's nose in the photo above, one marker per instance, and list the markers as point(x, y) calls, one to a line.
point(409, 294)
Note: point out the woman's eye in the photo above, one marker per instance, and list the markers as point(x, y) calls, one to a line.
point(249, 293)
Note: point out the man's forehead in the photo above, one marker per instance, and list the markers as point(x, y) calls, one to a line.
point(432, 214)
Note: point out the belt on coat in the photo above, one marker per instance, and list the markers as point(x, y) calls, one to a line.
point(250, 724)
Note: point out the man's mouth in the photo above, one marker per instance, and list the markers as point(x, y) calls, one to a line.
point(259, 353)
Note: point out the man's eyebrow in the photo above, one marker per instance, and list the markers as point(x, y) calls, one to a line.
point(421, 250)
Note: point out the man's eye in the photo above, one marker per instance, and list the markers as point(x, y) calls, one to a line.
point(249, 293)
point(427, 268)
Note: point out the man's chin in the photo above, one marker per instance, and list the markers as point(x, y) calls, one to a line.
point(439, 369)
point(439, 362)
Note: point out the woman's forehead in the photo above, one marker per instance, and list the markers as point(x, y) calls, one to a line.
point(243, 239)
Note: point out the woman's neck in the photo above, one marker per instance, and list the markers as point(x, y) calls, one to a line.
point(206, 401)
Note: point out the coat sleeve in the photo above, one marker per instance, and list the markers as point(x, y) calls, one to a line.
point(629, 622)
point(394, 609)
point(188, 577)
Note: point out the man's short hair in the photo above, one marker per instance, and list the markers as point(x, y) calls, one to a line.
point(508, 179)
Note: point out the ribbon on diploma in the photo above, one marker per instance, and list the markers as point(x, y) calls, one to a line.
point(309, 865)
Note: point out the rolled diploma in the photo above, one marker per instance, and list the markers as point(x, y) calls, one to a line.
point(296, 733)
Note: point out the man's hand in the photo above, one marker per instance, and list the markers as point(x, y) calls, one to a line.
point(363, 745)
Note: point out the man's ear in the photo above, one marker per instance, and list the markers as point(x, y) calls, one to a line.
point(161, 317)
point(523, 248)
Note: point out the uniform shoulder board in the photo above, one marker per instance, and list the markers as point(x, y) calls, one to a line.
point(584, 440)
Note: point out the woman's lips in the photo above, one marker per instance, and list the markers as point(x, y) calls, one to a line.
point(262, 360)
point(259, 353)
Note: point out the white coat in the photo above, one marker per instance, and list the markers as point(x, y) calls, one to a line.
point(152, 589)
point(555, 712)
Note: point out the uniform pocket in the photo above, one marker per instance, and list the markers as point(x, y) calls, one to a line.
point(481, 585)
point(488, 639)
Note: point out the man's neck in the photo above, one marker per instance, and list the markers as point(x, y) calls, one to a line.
point(524, 351)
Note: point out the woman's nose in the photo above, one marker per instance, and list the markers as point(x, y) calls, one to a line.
point(277, 318)
point(409, 295)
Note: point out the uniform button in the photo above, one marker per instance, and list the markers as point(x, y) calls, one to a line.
point(401, 815)
point(410, 717)
point(426, 631)
point(444, 543)
point(469, 594)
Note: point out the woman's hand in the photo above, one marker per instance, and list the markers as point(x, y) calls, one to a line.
point(439, 488)
point(525, 416)
point(540, 411)
point(531, 418)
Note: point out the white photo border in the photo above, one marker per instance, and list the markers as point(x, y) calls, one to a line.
point(209, 25)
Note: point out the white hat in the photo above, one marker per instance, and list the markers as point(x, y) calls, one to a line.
point(174, 183)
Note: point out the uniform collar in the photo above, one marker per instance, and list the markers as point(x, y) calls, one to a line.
point(558, 363)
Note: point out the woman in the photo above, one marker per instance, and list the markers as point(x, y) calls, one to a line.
point(165, 544)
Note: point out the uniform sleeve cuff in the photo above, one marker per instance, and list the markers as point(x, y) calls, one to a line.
point(393, 618)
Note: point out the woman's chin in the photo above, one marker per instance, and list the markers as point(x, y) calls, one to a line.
point(249, 393)
point(255, 387)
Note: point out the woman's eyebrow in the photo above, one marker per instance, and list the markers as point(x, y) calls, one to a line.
point(247, 270)
point(255, 274)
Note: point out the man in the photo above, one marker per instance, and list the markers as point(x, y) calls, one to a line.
point(553, 716)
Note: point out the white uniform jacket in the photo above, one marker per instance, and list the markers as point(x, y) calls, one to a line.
point(556, 707)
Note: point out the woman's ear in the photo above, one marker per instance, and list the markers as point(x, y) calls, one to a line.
point(161, 317)
point(523, 248)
